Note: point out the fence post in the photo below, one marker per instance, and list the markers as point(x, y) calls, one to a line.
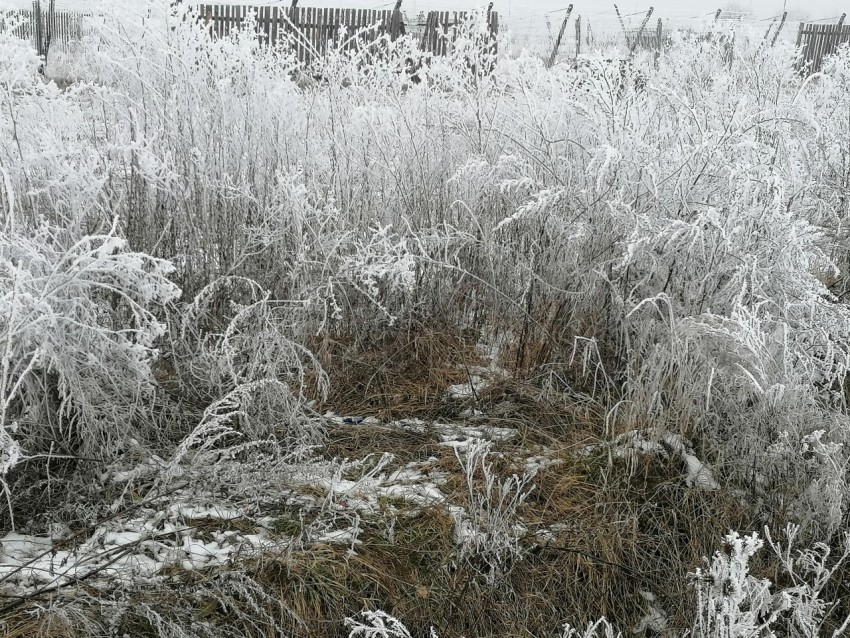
point(51, 20)
point(623, 26)
point(779, 30)
point(640, 32)
point(36, 16)
point(658, 35)
point(578, 37)
point(560, 36)
point(493, 32)
point(426, 34)
point(713, 25)
point(767, 33)
point(396, 25)
point(293, 12)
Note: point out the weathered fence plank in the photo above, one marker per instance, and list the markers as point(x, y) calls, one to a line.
point(817, 41)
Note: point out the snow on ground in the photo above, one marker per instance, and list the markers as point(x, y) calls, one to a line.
point(195, 529)
point(639, 442)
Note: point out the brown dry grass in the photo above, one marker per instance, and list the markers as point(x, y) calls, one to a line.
point(405, 445)
point(620, 532)
point(400, 374)
point(615, 530)
point(627, 533)
point(47, 626)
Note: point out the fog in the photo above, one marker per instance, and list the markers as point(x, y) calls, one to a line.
point(532, 24)
point(814, 9)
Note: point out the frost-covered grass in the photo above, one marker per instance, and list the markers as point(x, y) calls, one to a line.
point(581, 323)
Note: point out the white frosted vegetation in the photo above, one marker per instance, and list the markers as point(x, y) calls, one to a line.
point(671, 252)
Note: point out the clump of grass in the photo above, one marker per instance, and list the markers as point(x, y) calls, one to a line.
point(400, 373)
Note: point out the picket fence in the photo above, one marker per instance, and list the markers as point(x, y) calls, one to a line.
point(818, 41)
point(310, 31)
point(64, 27)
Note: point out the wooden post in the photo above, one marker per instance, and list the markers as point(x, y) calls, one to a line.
point(729, 49)
point(295, 30)
point(560, 35)
point(491, 47)
point(293, 13)
point(51, 25)
point(717, 15)
point(658, 35)
point(767, 34)
point(841, 21)
point(578, 37)
point(640, 32)
point(425, 34)
point(489, 16)
point(36, 16)
point(779, 30)
point(623, 26)
point(396, 25)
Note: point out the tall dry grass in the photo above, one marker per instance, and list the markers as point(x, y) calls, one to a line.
point(666, 246)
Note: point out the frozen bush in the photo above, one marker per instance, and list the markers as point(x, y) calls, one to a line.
point(733, 603)
point(78, 327)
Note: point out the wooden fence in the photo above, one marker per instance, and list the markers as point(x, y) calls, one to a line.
point(649, 39)
point(310, 31)
point(818, 41)
point(64, 27)
point(441, 29)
